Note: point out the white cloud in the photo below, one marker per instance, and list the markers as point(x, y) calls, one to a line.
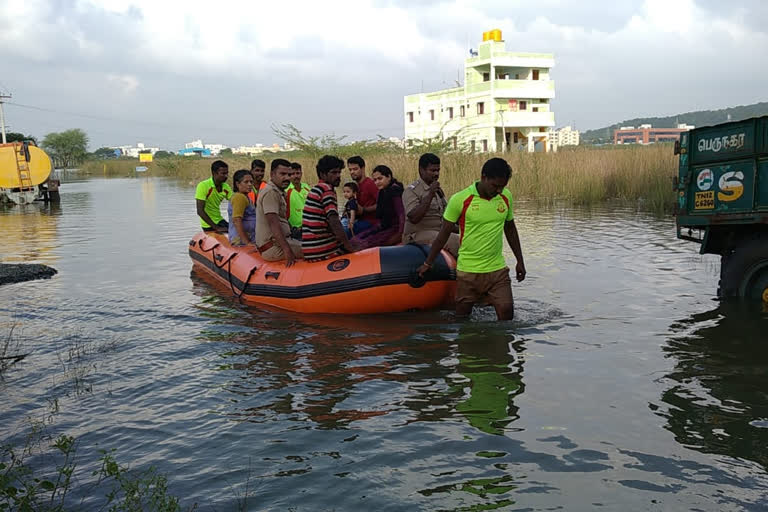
point(127, 84)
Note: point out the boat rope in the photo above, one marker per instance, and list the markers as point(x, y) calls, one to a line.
point(245, 283)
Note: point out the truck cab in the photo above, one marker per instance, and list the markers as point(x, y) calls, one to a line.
point(722, 201)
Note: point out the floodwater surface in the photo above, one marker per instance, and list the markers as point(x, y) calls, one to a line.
point(620, 385)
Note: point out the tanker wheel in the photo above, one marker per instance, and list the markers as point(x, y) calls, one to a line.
point(744, 272)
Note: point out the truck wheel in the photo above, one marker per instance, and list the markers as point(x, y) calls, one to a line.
point(744, 272)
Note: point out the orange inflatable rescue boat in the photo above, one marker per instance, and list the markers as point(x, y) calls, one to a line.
point(376, 280)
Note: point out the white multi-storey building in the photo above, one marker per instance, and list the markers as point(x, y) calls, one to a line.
point(133, 151)
point(565, 136)
point(504, 103)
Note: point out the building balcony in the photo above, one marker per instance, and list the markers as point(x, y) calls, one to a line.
point(514, 88)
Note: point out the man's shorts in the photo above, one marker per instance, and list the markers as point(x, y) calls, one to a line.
point(492, 287)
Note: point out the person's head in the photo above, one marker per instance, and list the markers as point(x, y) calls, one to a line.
point(257, 170)
point(350, 190)
point(494, 177)
point(382, 176)
point(429, 168)
point(280, 172)
point(296, 174)
point(219, 171)
point(329, 169)
point(242, 181)
point(356, 166)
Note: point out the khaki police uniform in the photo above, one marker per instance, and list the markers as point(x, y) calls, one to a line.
point(426, 231)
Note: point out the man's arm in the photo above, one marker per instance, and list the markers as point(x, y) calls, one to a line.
point(338, 230)
point(416, 214)
point(277, 233)
point(204, 215)
point(513, 239)
point(437, 246)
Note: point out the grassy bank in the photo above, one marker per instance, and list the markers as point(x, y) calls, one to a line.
point(583, 175)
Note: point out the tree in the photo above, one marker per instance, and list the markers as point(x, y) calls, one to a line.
point(105, 153)
point(67, 148)
point(18, 137)
point(163, 154)
point(225, 152)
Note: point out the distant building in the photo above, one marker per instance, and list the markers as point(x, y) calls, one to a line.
point(133, 151)
point(503, 104)
point(195, 151)
point(215, 149)
point(647, 134)
point(249, 150)
point(565, 136)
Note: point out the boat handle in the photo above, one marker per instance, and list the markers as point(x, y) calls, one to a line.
point(271, 274)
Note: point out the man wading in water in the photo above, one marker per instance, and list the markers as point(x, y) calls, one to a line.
point(483, 212)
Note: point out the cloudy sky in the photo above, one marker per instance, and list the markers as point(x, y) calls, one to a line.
point(166, 71)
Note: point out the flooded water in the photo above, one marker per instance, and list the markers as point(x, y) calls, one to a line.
point(621, 384)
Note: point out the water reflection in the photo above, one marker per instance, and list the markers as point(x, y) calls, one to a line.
point(717, 401)
point(30, 232)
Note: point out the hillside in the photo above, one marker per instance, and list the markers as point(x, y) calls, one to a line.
point(700, 118)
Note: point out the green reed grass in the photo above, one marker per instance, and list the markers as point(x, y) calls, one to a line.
point(581, 175)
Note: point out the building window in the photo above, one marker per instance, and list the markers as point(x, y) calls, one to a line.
point(485, 145)
point(535, 74)
point(523, 105)
point(472, 146)
point(461, 111)
point(450, 112)
point(516, 137)
point(431, 115)
point(517, 76)
point(535, 109)
point(410, 117)
point(480, 108)
point(486, 77)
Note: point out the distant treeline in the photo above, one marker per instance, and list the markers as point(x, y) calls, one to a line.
point(699, 118)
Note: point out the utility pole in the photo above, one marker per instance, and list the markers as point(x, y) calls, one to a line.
point(2, 115)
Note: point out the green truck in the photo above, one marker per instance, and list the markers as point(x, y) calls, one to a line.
point(722, 201)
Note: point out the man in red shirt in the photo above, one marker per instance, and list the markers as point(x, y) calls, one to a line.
point(367, 195)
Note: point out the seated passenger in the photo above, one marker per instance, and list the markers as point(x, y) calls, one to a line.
point(273, 233)
point(242, 213)
point(424, 203)
point(389, 212)
point(322, 235)
point(209, 195)
point(349, 191)
point(295, 196)
point(257, 171)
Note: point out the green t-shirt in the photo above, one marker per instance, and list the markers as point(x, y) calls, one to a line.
point(481, 222)
point(295, 201)
point(206, 191)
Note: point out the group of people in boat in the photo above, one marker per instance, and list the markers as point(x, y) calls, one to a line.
point(286, 219)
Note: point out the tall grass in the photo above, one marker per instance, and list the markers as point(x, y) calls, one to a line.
point(581, 175)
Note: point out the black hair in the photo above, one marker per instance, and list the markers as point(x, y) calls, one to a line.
point(356, 160)
point(327, 163)
point(218, 164)
point(352, 186)
point(387, 172)
point(296, 166)
point(496, 168)
point(428, 159)
point(239, 175)
point(258, 163)
point(277, 162)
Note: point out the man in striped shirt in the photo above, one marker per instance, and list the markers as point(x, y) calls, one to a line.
point(322, 235)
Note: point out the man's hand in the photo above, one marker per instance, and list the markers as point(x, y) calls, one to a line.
point(520, 271)
point(290, 259)
point(423, 269)
point(350, 247)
